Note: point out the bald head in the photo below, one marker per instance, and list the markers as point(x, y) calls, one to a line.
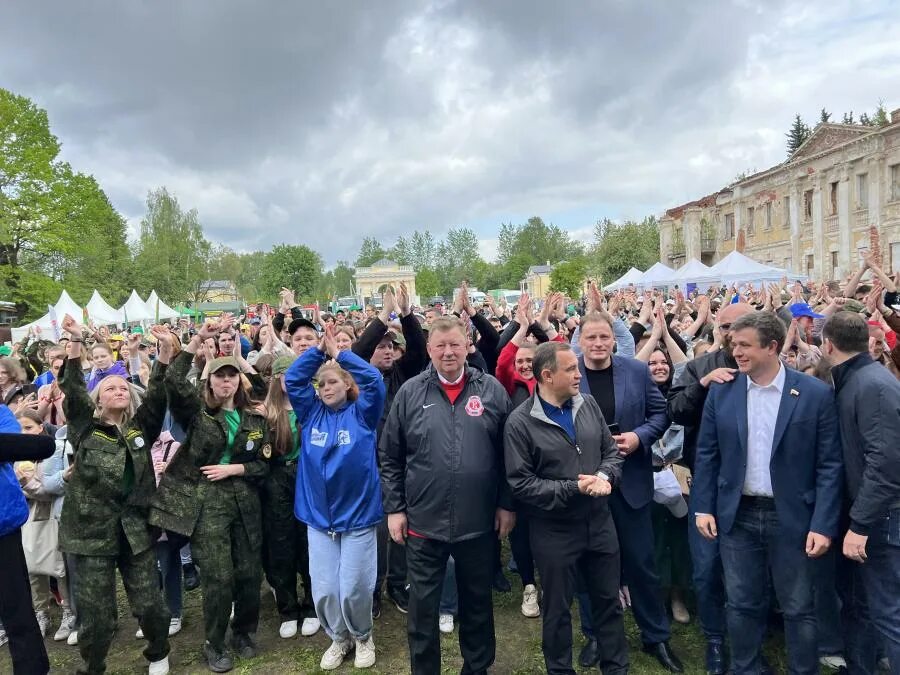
point(731, 313)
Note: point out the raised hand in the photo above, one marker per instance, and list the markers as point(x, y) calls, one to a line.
point(402, 300)
point(71, 326)
point(209, 329)
point(328, 345)
point(287, 300)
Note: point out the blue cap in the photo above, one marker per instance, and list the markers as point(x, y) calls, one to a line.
point(801, 309)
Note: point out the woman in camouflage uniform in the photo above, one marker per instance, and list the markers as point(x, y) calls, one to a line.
point(210, 493)
point(104, 517)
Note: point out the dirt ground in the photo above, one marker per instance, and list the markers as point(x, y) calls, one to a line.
point(518, 644)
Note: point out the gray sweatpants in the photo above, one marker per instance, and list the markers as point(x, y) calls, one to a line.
point(343, 571)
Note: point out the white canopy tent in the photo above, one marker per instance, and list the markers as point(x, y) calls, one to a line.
point(161, 310)
point(44, 325)
point(101, 312)
point(135, 309)
point(630, 277)
point(693, 272)
point(655, 276)
point(736, 268)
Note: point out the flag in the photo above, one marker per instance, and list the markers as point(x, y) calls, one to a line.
point(54, 322)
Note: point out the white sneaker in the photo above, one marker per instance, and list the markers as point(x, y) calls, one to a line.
point(160, 667)
point(530, 606)
point(65, 626)
point(288, 629)
point(43, 619)
point(174, 626)
point(445, 623)
point(334, 657)
point(365, 653)
point(310, 627)
point(72, 640)
point(139, 634)
point(833, 662)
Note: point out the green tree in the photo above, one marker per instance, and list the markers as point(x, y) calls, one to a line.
point(428, 284)
point(797, 134)
point(172, 255)
point(532, 243)
point(422, 250)
point(249, 282)
point(568, 277)
point(880, 117)
point(824, 116)
point(620, 246)
point(56, 225)
point(296, 267)
point(370, 252)
point(848, 118)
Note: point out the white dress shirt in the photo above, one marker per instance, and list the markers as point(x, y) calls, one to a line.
point(762, 413)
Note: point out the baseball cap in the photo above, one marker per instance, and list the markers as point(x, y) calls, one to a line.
point(854, 306)
point(117, 337)
point(223, 362)
point(395, 337)
point(670, 301)
point(296, 324)
point(5, 350)
point(282, 363)
point(801, 309)
point(667, 491)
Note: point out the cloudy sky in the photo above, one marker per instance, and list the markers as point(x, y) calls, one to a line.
point(324, 122)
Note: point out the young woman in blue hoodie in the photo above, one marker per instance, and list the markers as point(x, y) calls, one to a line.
point(338, 493)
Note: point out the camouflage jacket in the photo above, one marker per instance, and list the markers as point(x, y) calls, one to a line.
point(98, 497)
point(183, 488)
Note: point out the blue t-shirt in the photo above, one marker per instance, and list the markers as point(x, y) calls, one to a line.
point(562, 416)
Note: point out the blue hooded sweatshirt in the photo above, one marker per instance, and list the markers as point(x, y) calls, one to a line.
point(13, 508)
point(338, 486)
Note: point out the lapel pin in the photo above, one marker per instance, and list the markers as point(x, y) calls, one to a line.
point(794, 392)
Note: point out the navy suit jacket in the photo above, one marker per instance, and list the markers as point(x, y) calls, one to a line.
point(806, 468)
point(641, 408)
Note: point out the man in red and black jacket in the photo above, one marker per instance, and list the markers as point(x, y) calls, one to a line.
point(445, 493)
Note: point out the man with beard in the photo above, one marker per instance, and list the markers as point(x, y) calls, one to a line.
point(685, 405)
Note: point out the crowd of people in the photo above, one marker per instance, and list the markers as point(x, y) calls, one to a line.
point(730, 452)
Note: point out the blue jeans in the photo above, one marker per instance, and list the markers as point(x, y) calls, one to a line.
point(871, 595)
point(709, 582)
point(449, 594)
point(756, 544)
point(343, 571)
point(168, 557)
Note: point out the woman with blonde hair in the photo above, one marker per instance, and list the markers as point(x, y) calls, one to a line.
point(338, 494)
point(286, 551)
point(104, 516)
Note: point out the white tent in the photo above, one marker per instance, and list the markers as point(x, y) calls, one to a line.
point(101, 312)
point(630, 277)
point(655, 276)
point(160, 309)
point(693, 272)
point(736, 268)
point(44, 325)
point(135, 309)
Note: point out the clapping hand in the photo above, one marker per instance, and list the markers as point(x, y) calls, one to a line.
point(402, 302)
point(209, 329)
point(328, 345)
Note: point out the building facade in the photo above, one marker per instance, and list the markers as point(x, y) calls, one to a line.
point(370, 281)
point(817, 213)
point(537, 281)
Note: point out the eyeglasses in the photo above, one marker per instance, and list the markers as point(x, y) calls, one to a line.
point(724, 326)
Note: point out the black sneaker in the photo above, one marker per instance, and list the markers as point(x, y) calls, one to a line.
point(244, 645)
point(191, 577)
point(501, 583)
point(376, 605)
point(400, 597)
point(217, 662)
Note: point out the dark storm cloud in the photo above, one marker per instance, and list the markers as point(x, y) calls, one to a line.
point(323, 122)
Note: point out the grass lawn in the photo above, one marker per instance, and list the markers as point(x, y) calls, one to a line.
point(518, 644)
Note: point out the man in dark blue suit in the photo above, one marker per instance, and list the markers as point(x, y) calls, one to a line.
point(767, 483)
point(635, 410)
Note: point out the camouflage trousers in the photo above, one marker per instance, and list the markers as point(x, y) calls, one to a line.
point(285, 549)
point(230, 567)
point(95, 597)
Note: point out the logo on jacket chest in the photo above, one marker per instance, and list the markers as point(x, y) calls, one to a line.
point(474, 406)
point(343, 437)
point(317, 437)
